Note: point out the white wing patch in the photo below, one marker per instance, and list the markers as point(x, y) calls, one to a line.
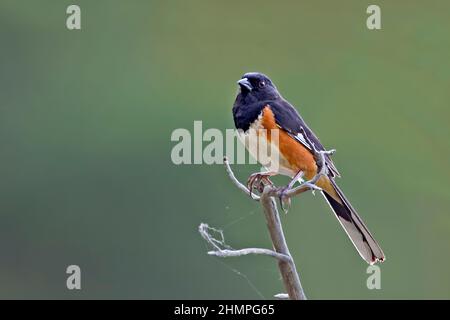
point(299, 137)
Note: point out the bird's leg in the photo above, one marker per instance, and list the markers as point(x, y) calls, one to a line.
point(285, 202)
point(258, 180)
point(298, 176)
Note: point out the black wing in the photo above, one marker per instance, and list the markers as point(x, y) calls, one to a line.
point(288, 119)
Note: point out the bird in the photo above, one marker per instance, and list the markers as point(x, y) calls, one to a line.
point(260, 108)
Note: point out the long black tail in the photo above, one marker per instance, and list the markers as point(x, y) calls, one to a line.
point(355, 228)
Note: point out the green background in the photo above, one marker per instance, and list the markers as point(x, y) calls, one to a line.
point(86, 117)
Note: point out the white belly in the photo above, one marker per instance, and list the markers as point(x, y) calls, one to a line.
point(267, 153)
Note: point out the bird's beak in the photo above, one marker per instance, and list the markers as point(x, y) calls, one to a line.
point(244, 83)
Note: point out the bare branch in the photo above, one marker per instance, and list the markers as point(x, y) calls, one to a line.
point(229, 252)
point(281, 252)
point(203, 229)
point(243, 252)
point(288, 271)
point(236, 181)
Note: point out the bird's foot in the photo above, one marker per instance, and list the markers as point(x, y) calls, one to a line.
point(258, 181)
point(285, 201)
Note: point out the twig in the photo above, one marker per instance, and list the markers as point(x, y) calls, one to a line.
point(236, 181)
point(229, 252)
point(288, 271)
point(282, 296)
point(243, 252)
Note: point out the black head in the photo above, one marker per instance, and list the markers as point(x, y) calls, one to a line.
point(257, 87)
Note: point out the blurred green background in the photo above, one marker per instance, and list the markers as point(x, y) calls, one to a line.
point(85, 124)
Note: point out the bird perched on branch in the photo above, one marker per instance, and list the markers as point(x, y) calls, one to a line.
point(260, 113)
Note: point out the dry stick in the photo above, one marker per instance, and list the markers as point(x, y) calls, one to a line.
point(287, 268)
point(225, 253)
point(286, 263)
point(203, 229)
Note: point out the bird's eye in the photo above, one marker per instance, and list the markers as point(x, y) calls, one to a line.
point(262, 84)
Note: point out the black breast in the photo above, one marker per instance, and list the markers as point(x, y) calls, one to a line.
point(245, 114)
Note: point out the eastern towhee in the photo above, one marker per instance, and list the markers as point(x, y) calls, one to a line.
point(260, 106)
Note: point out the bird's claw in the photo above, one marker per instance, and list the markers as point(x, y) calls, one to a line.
point(258, 181)
point(285, 201)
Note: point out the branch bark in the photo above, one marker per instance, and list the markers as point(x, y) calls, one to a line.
point(288, 271)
